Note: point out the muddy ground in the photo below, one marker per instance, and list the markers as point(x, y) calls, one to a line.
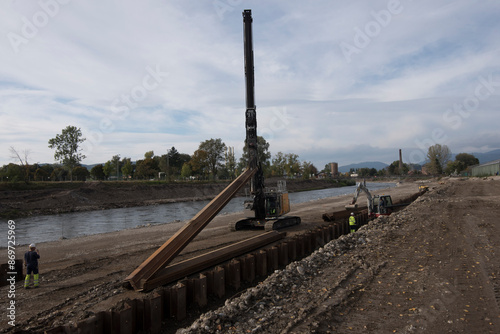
point(429, 268)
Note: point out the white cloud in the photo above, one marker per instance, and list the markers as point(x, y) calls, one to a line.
point(92, 56)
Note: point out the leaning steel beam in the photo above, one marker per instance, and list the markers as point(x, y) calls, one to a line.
point(170, 249)
point(189, 267)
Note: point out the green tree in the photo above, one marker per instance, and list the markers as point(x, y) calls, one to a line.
point(115, 162)
point(292, 166)
point(127, 168)
point(171, 163)
point(393, 168)
point(438, 156)
point(67, 147)
point(199, 162)
point(364, 172)
point(147, 168)
point(327, 170)
point(263, 155)
point(214, 149)
point(41, 175)
point(186, 170)
point(230, 165)
point(466, 160)
point(80, 173)
point(59, 174)
point(12, 173)
point(97, 172)
point(308, 170)
point(462, 161)
point(108, 169)
point(437, 167)
point(278, 164)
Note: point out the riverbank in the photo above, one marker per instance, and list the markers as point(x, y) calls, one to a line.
point(45, 198)
point(82, 276)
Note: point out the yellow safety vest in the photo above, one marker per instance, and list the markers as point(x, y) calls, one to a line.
point(352, 221)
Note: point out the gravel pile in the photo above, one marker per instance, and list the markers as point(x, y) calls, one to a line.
point(307, 288)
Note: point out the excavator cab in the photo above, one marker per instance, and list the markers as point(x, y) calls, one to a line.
point(276, 205)
point(277, 201)
point(382, 205)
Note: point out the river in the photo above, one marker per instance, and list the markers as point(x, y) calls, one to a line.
point(71, 225)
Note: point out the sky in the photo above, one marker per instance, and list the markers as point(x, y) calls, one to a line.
point(335, 81)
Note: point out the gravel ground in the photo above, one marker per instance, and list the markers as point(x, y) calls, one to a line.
point(425, 269)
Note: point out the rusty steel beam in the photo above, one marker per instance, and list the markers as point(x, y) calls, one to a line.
point(170, 249)
point(188, 267)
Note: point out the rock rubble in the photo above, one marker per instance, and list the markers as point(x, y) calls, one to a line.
point(313, 285)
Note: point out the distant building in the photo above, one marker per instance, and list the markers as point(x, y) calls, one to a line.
point(487, 169)
point(334, 169)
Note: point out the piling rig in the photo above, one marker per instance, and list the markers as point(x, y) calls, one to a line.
point(269, 204)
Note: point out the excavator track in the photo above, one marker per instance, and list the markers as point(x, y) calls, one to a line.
point(282, 222)
point(268, 224)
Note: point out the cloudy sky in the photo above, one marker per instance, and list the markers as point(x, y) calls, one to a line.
point(344, 81)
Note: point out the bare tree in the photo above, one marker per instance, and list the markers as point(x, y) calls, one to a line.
point(438, 156)
point(22, 157)
point(67, 147)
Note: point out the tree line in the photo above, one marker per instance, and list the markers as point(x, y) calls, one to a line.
point(212, 160)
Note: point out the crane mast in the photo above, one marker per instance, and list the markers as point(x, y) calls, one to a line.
point(268, 204)
point(257, 182)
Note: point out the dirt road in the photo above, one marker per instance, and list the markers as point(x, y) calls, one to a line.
point(430, 266)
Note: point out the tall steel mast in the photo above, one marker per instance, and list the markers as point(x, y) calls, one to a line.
point(257, 183)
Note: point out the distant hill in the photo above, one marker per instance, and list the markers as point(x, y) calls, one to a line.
point(369, 164)
point(483, 157)
point(488, 156)
point(89, 167)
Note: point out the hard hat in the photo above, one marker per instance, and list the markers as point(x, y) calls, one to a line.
point(352, 213)
point(32, 246)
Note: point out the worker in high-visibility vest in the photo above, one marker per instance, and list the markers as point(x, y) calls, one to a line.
point(352, 223)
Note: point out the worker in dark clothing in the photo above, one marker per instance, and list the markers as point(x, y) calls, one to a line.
point(352, 223)
point(381, 205)
point(31, 263)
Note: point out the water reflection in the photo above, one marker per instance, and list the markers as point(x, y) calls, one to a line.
point(71, 225)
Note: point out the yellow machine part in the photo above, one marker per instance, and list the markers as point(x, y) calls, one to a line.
point(285, 204)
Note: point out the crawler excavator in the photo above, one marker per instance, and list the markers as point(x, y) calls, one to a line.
point(377, 205)
point(269, 204)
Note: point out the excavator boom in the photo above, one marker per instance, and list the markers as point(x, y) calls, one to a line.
point(360, 186)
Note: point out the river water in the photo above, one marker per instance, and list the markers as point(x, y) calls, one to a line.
point(70, 225)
